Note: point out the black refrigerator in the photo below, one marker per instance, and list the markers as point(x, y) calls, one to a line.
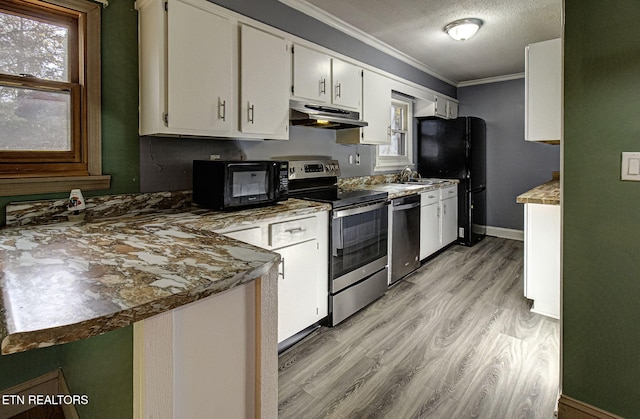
point(456, 149)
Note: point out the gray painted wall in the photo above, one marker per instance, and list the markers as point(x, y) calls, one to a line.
point(165, 163)
point(513, 164)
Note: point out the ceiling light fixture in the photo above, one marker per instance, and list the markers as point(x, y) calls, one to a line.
point(463, 29)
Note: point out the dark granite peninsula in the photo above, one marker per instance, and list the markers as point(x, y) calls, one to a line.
point(134, 259)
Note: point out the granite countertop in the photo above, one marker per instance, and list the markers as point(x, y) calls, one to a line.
point(548, 193)
point(67, 281)
point(389, 185)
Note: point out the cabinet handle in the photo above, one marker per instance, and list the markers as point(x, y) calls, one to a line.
point(295, 230)
point(222, 109)
point(438, 212)
point(444, 208)
point(431, 196)
point(389, 130)
point(323, 86)
point(282, 273)
point(250, 113)
point(338, 90)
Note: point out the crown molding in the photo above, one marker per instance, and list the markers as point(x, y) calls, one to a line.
point(336, 23)
point(488, 80)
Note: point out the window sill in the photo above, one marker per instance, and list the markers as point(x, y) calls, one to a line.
point(31, 186)
point(392, 166)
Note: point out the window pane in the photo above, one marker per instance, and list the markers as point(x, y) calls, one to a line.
point(396, 148)
point(31, 47)
point(34, 120)
point(397, 117)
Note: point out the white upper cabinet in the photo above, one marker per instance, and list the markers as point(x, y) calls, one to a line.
point(320, 78)
point(175, 96)
point(452, 109)
point(376, 111)
point(376, 108)
point(311, 75)
point(264, 81)
point(543, 89)
point(347, 84)
point(440, 107)
point(436, 106)
point(199, 92)
point(201, 76)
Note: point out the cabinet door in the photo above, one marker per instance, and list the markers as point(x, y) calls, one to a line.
point(199, 80)
point(543, 87)
point(449, 220)
point(347, 84)
point(429, 229)
point(311, 75)
point(376, 106)
point(452, 110)
point(542, 229)
point(440, 107)
point(264, 84)
point(298, 297)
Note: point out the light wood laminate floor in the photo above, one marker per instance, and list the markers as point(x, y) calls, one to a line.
point(455, 339)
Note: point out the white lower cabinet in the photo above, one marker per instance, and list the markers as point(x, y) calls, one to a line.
point(429, 223)
point(303, 281)
point(542, 258)
point(449, 220)
point(299, 293)
point(438, 219)
point(209, 355)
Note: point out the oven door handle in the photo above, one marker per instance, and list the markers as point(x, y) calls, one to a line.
point(406, 206)
point(359, 210)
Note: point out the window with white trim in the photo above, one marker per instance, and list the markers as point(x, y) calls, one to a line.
point(399, 153)
point(49, 92)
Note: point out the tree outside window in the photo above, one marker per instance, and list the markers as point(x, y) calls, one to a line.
point(38, 118)
point(49, 94)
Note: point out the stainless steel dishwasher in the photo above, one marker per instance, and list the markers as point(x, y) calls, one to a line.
point(405, 236)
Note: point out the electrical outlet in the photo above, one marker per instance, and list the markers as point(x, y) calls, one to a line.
point(214, 157)
point(358, 158)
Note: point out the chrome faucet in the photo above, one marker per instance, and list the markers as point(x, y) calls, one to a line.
point(406, 174)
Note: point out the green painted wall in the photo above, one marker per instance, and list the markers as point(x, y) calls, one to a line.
point(100, 367)
point(120, 141)
point(601, 355)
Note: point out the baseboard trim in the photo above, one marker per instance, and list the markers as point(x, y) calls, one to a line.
point(505, 233)
point(570, 408)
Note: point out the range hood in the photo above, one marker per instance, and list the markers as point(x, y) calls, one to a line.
point(322, 116)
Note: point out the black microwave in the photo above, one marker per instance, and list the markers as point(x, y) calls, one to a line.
point(228, 185)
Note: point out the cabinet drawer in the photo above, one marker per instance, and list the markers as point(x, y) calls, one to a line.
point(287, 232)
point(429, 197)
point(449, 191)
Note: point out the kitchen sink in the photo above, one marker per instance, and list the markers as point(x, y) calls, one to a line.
point(405, 185)
point(423, 181)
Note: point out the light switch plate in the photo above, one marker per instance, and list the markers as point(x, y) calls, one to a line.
point(630, 168)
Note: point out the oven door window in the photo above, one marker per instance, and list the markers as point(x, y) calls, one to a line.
point(358, 240)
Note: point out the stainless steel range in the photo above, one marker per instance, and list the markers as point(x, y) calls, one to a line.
point(358, 239)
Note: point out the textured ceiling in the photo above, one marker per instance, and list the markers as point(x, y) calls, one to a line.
point(414, 27)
